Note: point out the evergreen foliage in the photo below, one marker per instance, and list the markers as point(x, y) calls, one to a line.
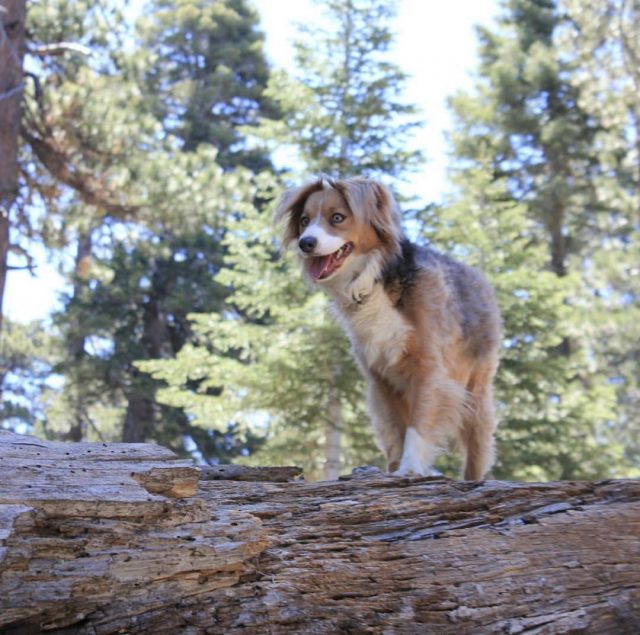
point(524, 141)
point(144, 214)
point(206, 74)
point(601, 40)
point(343, 117)
point(147, 175)
point(29, 355)
point(342, 113)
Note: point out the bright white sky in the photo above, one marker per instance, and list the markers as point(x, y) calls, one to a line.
point(435, 45)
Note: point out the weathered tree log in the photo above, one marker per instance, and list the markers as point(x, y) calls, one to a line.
point(122, 538)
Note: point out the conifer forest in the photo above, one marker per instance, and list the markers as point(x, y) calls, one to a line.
point(143, 147)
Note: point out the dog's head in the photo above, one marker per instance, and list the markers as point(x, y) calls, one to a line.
point(337, 224)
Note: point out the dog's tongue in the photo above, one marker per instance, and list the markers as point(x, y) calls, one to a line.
point(319, 266)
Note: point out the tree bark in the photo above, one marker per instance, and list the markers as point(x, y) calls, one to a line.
point(140, 412)
point(333, 434)
point(141, 406)
point(123, 538)
point(77, 339)
point(12, 33)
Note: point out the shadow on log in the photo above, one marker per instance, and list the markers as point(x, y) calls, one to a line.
point(125, 538)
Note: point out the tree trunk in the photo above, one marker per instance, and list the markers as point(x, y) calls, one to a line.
point(140, 411)
point(141, 407)
point(77, 340)
point(333, 438)
point(122, 538)
point(12, 31)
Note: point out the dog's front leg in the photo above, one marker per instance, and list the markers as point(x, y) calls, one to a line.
point(389, 414)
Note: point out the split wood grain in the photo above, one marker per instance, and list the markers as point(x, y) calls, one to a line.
point(370, 553)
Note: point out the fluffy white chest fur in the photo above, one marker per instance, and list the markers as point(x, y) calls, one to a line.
point(378, 332)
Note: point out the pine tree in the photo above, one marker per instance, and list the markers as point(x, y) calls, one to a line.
point(143, 288)
point(526, 136)
point(143, 216)
point(12, 47)
point(601, 39)
point(207, 74)
point(29, 356)
point(295, 374)
point(203, 84)
point(74, 131)
point(343, 112)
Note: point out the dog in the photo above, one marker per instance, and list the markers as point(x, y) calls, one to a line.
point(424, 328)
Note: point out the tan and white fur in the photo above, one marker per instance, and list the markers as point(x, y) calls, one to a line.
point(424, 328)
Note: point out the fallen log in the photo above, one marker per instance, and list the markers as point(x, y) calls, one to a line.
point(125, 538)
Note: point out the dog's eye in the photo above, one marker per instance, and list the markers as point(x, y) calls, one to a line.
point(337, 218)
point(304, 221)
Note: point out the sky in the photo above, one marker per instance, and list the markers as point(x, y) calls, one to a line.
point(436, 46)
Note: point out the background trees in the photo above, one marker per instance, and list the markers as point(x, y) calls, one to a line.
point(147, 171)
point(142, 216)
point(525, 146)
point(206, 75)
point(341, 116)
point(602, 42)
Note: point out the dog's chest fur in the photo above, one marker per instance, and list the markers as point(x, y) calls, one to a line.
point(378, 332)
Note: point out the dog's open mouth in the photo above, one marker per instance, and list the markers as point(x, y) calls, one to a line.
point(321, 267)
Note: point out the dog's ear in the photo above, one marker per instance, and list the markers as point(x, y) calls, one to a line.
point(384, 214)
point(373, 203)
point(290, 207)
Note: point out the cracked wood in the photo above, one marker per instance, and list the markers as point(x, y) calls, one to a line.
point(369, 553)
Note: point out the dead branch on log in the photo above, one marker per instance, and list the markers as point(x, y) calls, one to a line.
point(108, 538)
point(249, 474)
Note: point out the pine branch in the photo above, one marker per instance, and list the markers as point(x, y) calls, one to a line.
point(59, 48)
point(29, 268)
point(60, 166)
point(21, 251)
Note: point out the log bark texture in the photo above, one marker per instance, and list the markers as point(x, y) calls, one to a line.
point(125, 538)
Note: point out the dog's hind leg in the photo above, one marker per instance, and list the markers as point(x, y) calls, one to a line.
point(476, 434)
point(436, 414)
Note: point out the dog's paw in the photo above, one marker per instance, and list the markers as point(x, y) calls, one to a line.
point(415, 471)
point(407, 469)
point(359, 293)
point(362, 287)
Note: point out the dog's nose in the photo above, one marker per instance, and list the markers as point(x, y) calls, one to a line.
point(308, 244)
